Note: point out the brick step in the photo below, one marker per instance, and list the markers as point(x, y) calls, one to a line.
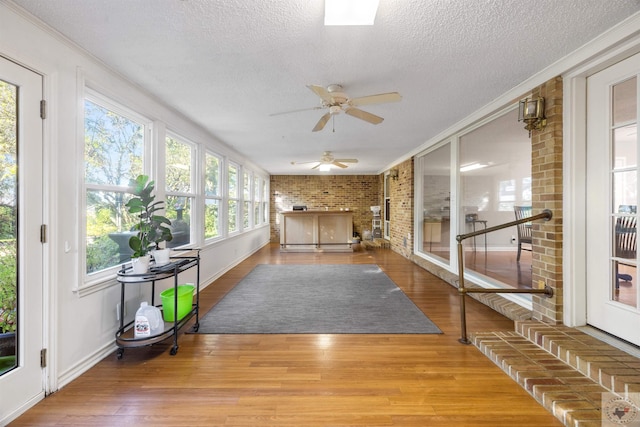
point(564, 369)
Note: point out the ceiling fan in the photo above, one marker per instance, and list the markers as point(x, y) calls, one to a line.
point(336, 101)
point(327, 160)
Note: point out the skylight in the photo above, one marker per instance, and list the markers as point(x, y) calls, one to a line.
point(350, 12)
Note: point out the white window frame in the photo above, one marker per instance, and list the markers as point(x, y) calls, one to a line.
point(237, 199)
point(218, 197)
point(93, 280)
point(194, 188)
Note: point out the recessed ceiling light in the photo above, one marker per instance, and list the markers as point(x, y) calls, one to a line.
point(350, 12)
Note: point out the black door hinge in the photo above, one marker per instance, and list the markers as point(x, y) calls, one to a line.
point(43, 358)
point(43, 233)
point(43, 109)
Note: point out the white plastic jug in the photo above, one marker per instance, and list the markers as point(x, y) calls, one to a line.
point(148, 321)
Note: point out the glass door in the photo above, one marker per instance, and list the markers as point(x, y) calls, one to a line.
point(612, 199)
point(21, 252)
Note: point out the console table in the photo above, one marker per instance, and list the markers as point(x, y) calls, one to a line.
point(316, 231)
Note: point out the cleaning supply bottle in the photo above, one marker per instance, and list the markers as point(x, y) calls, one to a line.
point(148, 321)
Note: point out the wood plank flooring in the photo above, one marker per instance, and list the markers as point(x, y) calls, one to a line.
point(306, 380)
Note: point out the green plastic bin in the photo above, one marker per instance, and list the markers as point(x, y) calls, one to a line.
point(185, 302)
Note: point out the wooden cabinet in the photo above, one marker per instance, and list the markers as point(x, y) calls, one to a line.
point(316, 231)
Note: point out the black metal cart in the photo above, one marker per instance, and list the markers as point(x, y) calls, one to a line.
point(125, 335)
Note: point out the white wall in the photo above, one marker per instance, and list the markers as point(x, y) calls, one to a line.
point(81, 328)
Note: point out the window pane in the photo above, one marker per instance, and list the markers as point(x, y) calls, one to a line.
point(246, 186)
point(179, 213)
point(178, 167)
point(265, 212)
point(246, 214)
point(212, 178)
point(624, 261)
point(9, 223)
point(624, 101)
point(625, 187)
point(107, 234)
point(233, 181)
point(436, 228)
point(256, 188)
point(625, 147)
point(211, 218)
point(113, 148)
point(233, 215)
point(495, 176)
point(256, 213)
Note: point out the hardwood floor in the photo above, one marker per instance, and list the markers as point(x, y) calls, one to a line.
point(306, 380)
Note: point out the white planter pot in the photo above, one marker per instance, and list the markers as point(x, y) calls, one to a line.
point(161, 256)
point(141, 264)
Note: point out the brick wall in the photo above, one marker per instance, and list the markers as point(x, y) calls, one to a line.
point(401, 199)
point(546, 176)
point(335, 192)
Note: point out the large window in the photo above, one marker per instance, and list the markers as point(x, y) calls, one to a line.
point(491, 177)
point(114, 149)
point(246, 200)
point(233, 202)
point(256, 201)
point(265, 201)
point(180, 188)
point(436, 202)
point(117, 146)
point(212, 196)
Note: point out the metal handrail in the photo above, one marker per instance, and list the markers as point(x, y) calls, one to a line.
point(547, 291)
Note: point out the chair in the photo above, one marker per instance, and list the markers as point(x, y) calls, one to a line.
point(524, 229)
point(625, 244)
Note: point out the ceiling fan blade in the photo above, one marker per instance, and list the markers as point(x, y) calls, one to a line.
point(295, 111)
point(363, 115)
point(316, 166)
point(323, 121)
point(347, 160)
point(338, 164)
point(321, 92)
point(303, 163)
point(376, 99)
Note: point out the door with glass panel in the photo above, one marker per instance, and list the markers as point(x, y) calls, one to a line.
point(21, 251)
point(612, 200)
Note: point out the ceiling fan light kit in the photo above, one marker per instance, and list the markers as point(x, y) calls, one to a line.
point(336, 101)
point(327, 161)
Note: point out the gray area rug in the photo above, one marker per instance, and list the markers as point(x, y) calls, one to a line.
point(316, 299)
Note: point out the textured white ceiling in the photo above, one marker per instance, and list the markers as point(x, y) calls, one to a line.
point(229, 64)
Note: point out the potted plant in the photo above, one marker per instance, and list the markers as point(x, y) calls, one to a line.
point(152, 228)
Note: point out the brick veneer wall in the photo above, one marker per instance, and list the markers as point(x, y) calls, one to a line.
point(546, 176)
point(401, 199)
point(355, 192)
